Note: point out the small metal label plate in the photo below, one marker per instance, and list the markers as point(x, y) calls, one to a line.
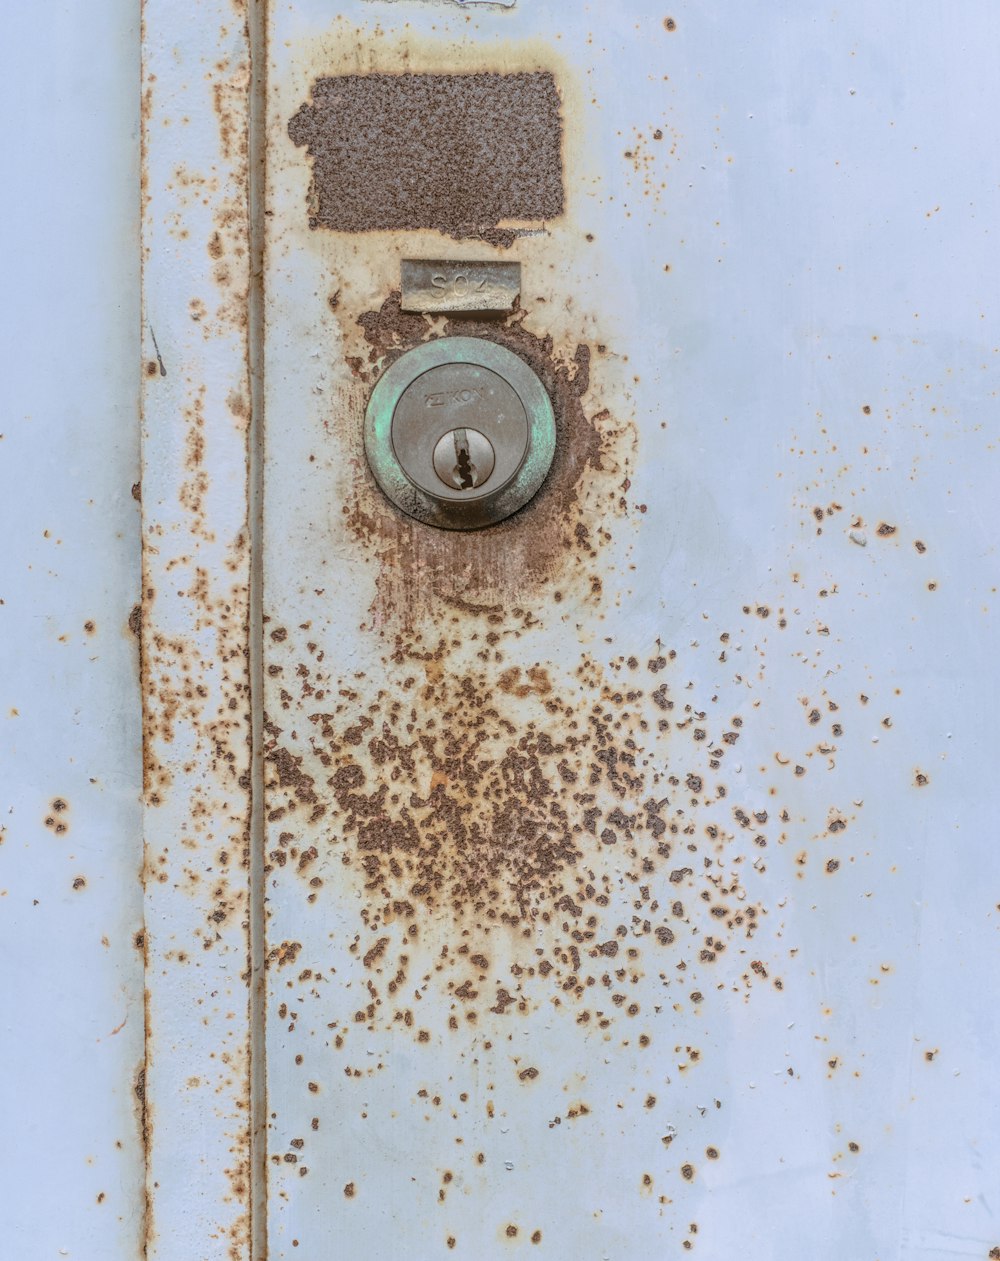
point(457, 285)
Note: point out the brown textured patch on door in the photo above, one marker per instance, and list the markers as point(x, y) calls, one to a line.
point(455, 152)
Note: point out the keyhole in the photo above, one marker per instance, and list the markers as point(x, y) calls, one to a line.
point(464, 459)
point(465, 470)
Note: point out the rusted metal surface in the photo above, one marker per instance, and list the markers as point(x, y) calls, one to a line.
point(456, 152)
point(71, 1161)
point(195, 627)
point(626, 890)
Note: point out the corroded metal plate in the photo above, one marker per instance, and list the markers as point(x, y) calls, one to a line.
point(453, 286)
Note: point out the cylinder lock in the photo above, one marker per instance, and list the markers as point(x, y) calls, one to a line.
point(459, 433)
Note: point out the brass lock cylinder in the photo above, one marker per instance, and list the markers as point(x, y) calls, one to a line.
point(460, 433)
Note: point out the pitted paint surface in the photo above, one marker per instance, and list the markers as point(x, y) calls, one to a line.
point(457, 152)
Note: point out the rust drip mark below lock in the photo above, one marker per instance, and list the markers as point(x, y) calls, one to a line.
point(457, 152)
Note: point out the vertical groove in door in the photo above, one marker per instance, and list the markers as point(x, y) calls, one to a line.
point(257, 19)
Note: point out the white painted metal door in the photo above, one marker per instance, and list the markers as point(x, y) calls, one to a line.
point(618, 881)
point(630, 886)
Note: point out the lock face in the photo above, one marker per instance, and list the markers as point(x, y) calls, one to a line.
point(459, 433)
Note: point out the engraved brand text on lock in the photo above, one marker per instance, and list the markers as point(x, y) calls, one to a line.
point(452, 396)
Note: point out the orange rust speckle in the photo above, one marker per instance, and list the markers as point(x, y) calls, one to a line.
point(687, 1172)
point(349, 1190)
point(670, 24)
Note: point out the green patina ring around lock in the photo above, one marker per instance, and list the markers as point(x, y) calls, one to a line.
point(485, 509)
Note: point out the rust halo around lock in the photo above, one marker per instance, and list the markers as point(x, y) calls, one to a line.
point(460, 433)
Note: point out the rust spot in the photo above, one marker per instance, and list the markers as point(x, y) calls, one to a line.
point(79, 882)
point(670, 24)
point(511, 1231)
point(920, 779)
point(536, 680)
point(536, 1237)
point(406, 151)
point(884, 530)
point(349, 1190)
point(687, 1172)
point(285, 953)
point(90, 627)
point(57, 820)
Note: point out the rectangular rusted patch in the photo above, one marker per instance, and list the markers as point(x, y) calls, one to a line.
point(461, 153)
point(451, 285)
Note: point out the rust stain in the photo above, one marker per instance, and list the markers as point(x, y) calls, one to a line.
point(143, 1119)
point(558, 535)
point(396, 151)
point(57, 819)
point(471, 814)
